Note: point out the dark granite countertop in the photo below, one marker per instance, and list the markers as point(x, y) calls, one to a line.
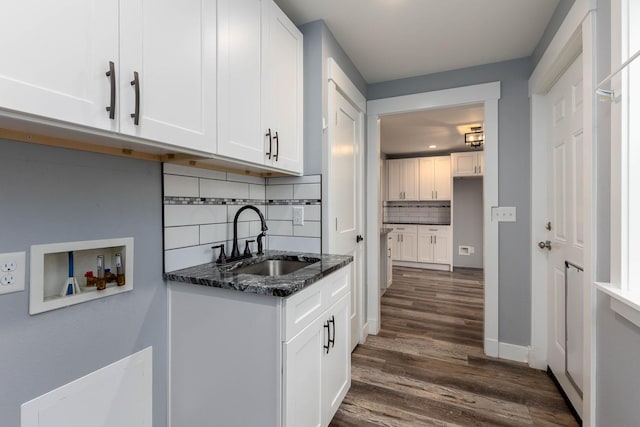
point(217, 276)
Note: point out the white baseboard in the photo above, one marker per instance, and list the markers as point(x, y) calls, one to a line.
point(513, 352)
point(491, 347)
point(422, 265)
point(537, 360)
point(373, 327)
point(364, 332)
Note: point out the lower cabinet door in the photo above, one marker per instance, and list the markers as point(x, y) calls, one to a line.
point(442, 248)
point(336, 364)
point(303, 376)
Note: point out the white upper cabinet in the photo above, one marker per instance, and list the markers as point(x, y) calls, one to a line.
point(260, 72)
point(435, 178)
point(168, 71)
point(469, 163)
point(239, 78)
point(282, 89)
point(403, 179)
point(55, 60)
point(97, 63)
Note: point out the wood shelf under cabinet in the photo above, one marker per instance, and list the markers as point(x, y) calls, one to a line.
point(49, 271)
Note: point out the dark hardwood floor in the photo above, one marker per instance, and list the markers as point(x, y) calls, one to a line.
point(427, 367)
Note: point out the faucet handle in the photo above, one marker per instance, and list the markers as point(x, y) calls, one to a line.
point(222, 258)
point(247, 249)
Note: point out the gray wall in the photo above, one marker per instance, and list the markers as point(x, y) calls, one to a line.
point(319, 46)
point(468, 228)
point(514, 177)
point(552, 27)
point(55, 195)
point(617, 369)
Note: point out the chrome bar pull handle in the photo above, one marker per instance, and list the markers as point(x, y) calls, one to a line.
point(112, 82)
point(136, 86)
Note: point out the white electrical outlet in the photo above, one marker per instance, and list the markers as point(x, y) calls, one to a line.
point(298, 215)
point(12, 271)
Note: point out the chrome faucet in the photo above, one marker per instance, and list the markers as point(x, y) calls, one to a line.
point(235, 252)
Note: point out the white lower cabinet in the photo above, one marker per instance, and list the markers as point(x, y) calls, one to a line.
point(434, 244)
point(419, 245)
point(288, 359)
point(317, 372)
point(405, 243)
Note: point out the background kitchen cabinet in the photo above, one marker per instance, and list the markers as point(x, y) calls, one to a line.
point(259, 84)
point(435, 178)
point(403, 177)
point(470, 163)
point(54, 63)
point(405, 242)
point(171, 44)
point(434, 244)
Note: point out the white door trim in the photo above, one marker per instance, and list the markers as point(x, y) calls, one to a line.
point(487, 93)
point(338, 81)
point(575, 35)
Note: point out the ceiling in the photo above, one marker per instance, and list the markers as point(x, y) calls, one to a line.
point(393, 39)
point(414, 133)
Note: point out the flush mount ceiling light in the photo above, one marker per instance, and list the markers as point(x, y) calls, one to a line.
point(433, 146)
point(475, 138)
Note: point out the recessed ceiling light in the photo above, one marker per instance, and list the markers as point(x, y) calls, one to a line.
point(433, 146)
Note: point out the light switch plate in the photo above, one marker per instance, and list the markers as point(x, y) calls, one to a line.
point(298, 215)
point(503, 213)
point(12, 270)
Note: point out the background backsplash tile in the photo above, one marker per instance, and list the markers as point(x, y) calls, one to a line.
point(417, 213)
point(200, 205)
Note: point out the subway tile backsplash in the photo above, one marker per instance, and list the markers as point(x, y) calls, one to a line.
point(200, 205)
point(417, 213)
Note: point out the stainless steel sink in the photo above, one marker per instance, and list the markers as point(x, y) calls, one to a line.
point(271, 267)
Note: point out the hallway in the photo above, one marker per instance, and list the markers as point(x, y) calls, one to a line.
point(427, 367)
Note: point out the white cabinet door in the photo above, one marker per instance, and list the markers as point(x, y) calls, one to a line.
point(390, 249)
point(442, 178)
point(442, 253)
point(171, 45)
point(425, 247)
point(394, 239)
point(409, 246)
point(480, 163)
point(336, 364)
point(467, 164)
point(303, 373)
point(427, 178)
point(55, 58)
point(410, 179)
point(394, 168)
point(239, 78)
point(282, 89)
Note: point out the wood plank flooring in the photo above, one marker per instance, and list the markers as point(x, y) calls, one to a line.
point(427, 367)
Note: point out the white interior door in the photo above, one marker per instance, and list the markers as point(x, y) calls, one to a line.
point(565, 237)
point(345, 193)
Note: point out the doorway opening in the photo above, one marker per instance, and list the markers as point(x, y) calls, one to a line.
point(485, 98)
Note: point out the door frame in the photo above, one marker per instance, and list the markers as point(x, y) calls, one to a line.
point(339, 82)
point(575, 35)
point(487, 93)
